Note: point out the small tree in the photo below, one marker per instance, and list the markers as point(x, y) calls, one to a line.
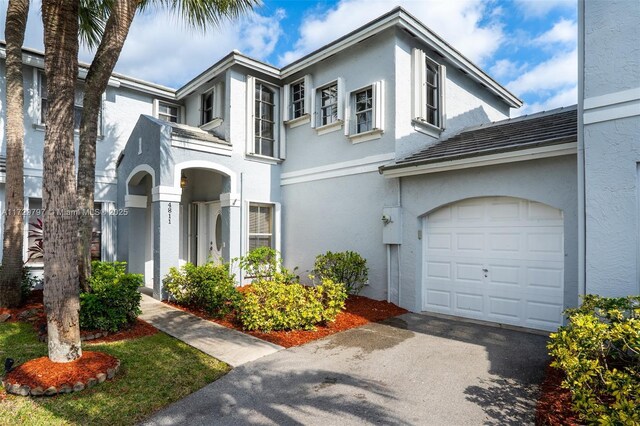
point(348, 268)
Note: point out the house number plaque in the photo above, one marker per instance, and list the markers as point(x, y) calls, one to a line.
point(169, 211)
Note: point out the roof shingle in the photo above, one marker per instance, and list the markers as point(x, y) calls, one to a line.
point(546, 128)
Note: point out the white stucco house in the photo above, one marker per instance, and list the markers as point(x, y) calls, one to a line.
point(388, 142)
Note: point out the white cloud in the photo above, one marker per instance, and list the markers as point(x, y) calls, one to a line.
point(555, 73)
point(459, 22)
point(540, 8)
point(505, 68)
point(564, 31)
point(562, 98)
point(160, 48)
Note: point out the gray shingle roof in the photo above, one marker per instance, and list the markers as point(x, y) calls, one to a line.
point(190, 132)
point(530, 131)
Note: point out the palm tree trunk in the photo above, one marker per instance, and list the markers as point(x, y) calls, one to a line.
point(114, 36)
point(12, 245)
point(60, 19)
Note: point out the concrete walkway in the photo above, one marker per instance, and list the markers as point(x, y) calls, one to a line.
point(223, 343)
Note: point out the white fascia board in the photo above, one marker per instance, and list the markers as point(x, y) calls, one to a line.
point(116, 80)
point(457, 58)
point(485, 160)
point(232, 59)
point(409, 23)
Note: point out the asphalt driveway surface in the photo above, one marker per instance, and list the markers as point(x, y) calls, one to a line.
point(411, 369)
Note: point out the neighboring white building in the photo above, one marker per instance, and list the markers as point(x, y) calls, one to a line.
point(387, 141)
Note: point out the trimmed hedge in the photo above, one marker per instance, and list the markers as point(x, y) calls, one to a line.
point(277, 305)
point(114, 300)
point(209, 287)
point(599, 351)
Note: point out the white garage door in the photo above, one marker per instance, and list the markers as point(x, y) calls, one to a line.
point(496, 259)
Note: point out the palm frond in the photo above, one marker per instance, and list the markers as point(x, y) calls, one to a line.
point(200, 14)
point(92, 17)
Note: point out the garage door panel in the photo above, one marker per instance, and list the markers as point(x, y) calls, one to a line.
point(505, 307)
point(440, 299)
point(439, 270)
point(470, 241)
point(467, 302)
point(521, 245)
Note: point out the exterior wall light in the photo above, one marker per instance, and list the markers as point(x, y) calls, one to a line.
point(183, 181)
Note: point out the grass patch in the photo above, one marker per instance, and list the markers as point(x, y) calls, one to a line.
point(156, 370)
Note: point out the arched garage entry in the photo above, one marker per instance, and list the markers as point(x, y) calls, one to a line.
point(497, 259)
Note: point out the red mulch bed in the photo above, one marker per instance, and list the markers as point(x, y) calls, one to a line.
point(554, 404)
point(138, 329)
point(33, 312)
point(42, 372)
point(359, 310)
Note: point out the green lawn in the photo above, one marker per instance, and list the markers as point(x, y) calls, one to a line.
point(156, 370)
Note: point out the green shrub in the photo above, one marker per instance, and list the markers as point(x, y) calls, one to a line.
point(114, 300)
point(264, 263)
point(599, 350)
point(277, 305)
point(209, 287)
point(348, 268)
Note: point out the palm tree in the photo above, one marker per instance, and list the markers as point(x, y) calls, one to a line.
point(61, 27)
point(198, 14)
point(61, 299)
point(11, 277)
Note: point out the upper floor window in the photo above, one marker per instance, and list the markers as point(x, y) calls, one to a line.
point(364, 110)
point(77, 108)
point(365, 118)
point(429, 79)
point(329, 104)
point(432, 93)
point(264, 140)
point(297, 99)
point(206, 107)
point(168, 112)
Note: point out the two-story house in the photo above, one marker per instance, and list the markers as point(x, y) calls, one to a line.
point(387, 141)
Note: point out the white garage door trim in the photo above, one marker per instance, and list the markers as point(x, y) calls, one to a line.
point(497, 259)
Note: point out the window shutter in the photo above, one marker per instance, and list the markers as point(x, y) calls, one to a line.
point(308, 92)
point(286, 104)
point(341, 98)
point(378, 105)
point(250, 113)
point(443, 97)
point(419, 79)
point(218, 100)
point(312, 107)
point(348, 119)
point(281, 136)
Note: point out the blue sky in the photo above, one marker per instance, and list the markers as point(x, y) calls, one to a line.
point(527, 45)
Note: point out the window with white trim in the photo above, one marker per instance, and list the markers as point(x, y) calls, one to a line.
point(297, 100)
point(169, 112)
point(429, 79)
point(206, 107)
point(363, 109)
point(261, 224)
point(365, 112)
point(328, 104)
point(77, 108)
point(264, 120)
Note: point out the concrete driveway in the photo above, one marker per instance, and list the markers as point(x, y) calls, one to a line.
point(412, 369)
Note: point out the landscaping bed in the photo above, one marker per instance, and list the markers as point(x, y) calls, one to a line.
point(554, 404)
point(155, 371)
point(359, 310)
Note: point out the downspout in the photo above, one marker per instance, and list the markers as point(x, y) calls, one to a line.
point(389, 273)
point(240, 272)
point(399, 258)
point(582, 267)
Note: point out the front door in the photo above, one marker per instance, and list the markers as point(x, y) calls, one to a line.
point(206, 233)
